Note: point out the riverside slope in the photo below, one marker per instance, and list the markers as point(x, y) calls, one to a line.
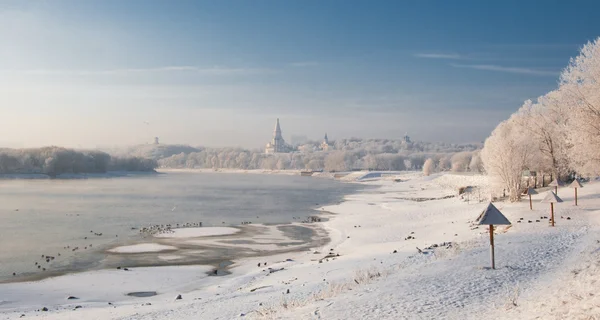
point(535, 264)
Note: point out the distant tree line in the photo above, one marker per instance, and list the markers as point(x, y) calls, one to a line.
point(344, 155)
point(56, 160)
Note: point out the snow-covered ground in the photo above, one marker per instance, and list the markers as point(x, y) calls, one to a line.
point(141, 248)
point(377, 266)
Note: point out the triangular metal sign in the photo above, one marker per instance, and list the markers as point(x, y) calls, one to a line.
point(551, 197)
point(531, 191)
point(491, 215)
point(575, 184)
point(555, 183)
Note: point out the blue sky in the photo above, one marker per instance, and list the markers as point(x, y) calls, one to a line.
point(218, 73)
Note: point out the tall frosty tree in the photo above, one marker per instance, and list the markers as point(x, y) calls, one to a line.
point(544, 123)
point(460, 161)
point(559, 133)
point(428, 167)
point(580, 85)
point(476, 164)
point(506, 153)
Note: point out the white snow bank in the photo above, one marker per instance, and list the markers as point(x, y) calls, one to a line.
point(169, 257)
point(102, 286)
point(141, 248)
point(198, 232)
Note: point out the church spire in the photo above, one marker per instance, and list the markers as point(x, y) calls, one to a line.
point(277, 144)
point(277, 133)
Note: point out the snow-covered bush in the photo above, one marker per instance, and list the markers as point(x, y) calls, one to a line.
point(428, 167)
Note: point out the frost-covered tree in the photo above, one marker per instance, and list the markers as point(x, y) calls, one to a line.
point(337, 161)
point(544, 123)
point(428, 167)
point(580, 86)
point(366, 154)
point(460, 161)
point(444, 163)
point(476, 165)
point(506, 153)
point(56, 160)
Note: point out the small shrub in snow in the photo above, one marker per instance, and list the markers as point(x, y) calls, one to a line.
point(428, 167)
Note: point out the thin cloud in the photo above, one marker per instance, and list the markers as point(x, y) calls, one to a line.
point(452, 56)
point(544, 46)
point(214, 71)
point(301, 64)
point(515, 70)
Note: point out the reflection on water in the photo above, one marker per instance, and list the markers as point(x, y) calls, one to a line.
point(75, 221)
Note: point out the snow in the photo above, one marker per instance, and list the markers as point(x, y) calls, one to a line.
point(142, 247)
point(103, 285)
point(198, 232)
point(384, 269)
point(169, 257)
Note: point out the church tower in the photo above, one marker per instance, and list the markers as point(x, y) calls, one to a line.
point(277, 144)
point(277, 132)
point(325, 144)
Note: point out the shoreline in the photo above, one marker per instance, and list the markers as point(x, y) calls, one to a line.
point(370, 268)
point(241, 268)
point(234, 268)
point(101, 257)
point(149, 251)
point(76, 176)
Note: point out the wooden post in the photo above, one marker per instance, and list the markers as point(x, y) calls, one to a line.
point(575, 196)
point(556, 190)
point(530, 205)
point(492, 245)
point(552, 212)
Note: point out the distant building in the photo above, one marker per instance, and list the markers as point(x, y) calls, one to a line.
point(325, 144)
point(155, 140)
point(277, 144)
point(406, 138)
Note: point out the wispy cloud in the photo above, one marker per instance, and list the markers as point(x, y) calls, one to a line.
point(516, 70)
point(533, 46)
point(213, 71)
point(304, 64)
point(452, 56)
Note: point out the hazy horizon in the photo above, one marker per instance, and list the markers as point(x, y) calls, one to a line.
point(218, 74)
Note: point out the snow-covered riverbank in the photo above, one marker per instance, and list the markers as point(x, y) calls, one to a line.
point(66, 176)
point(377, 265)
